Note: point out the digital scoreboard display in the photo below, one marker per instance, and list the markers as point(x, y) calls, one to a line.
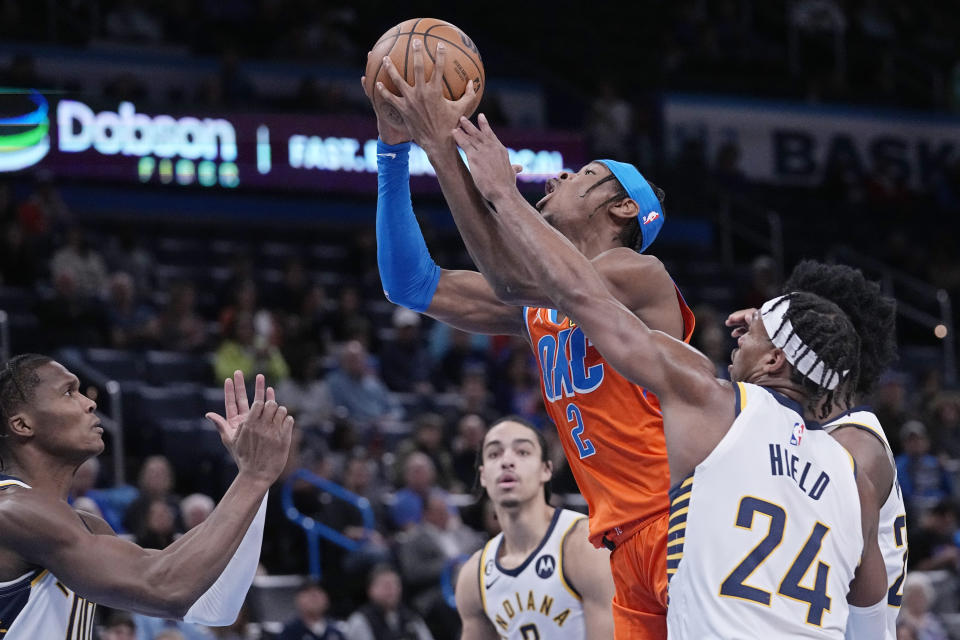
point(303, 153)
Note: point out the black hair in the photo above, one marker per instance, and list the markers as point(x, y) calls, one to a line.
point(632, 234)
point(18, 380)
point(873, 314)
point(544, 456)
point(826, 331)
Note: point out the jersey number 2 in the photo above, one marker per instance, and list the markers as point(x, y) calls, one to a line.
point(816, 597)
point(584, 447)
point(895, 595)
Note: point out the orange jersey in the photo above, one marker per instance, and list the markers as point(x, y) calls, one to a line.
point(611, 429)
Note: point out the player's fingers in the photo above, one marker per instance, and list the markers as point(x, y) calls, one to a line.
point(395, 77)
point(240, 392)
point(439, 64)
point(469, 94)
point(280, 416)
point(468, 126)
point(389, 97)
point(256, 410)
point(418, 73)
point(229, 398)
point(269, 410)
point(464, 141)
point(219, 422)
point(271, 394)
point(259, 388)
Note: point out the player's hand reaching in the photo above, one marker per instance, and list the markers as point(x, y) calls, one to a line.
point(390, 125)
point(261, 441)
point(238, 411)
point(739, 321)
point(428, 116)
point(487, 157)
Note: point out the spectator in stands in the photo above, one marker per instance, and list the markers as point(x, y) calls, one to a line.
point(81, 261)
point(305, 393)
point(425, 550)
point(311, 623)
point(356, 388)
point(155, 483)
point(933, 545)
point(385, 617)
point(923, 479)
point(284, 542)
point(244, 349)
point(889, 402)
point(475, 396)
point(428, 439)
point(764, 282)
point(44, 214)
point(70, 319)
point(419, 483)
point(358, 478)
point(518, 391)
point(404, 362)
point(918, 596)
point(181, 327)
point(609, 124)
point(132, 323)
point(119, 626)
point(159, 528)
point(466, 448)
point(195, 508)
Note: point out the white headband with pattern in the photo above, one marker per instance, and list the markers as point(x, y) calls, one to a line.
point(783, 336)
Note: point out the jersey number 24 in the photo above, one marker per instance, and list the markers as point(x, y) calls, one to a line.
point(816, 596)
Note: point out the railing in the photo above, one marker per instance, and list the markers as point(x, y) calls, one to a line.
point(113, 420)
point(761, 228)
point(911, 293)
point(317, 530)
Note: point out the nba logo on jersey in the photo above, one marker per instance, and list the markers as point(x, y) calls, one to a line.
point(650, 217)
point(797, 435)
point(545, 566)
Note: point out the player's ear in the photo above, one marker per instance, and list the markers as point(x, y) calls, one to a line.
point(480, 479)
point(775, 362)
point(548, 469)
point(19, 425)
point(624, 209)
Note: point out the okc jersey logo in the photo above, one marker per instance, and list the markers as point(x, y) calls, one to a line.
point(797, 435)
point(563, 365)
point(545, 566)
point(650, 217)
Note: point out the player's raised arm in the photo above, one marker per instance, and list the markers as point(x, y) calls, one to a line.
point(429, 117)
point(45, 531)
point(476, 625)
point(649, 358)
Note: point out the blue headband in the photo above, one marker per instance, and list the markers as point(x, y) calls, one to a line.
point(650, 215)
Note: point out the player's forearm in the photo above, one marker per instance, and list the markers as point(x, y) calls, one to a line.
point(481, 234)
point(181, 574)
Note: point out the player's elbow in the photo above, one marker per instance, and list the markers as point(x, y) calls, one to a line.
point(167, 594)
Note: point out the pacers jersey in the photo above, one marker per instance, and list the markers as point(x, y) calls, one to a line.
point(37, 605)
point(892, 534)
point(765, 534)
point(610, 428)
point(534, 600)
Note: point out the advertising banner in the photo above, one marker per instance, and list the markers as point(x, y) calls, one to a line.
point(300, 153)
point(793, 143)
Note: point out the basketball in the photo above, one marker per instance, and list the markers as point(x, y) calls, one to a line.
point(463, 63)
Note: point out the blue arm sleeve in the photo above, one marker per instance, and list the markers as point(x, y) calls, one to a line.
point(408, 273)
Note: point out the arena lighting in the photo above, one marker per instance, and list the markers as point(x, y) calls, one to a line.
point(24, 139)
point(940, 331)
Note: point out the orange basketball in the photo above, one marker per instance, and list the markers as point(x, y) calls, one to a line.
point(463, 63)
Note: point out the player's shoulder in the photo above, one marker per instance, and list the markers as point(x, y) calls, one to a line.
point(468, 583)
point(626, 259)
point(30, 516)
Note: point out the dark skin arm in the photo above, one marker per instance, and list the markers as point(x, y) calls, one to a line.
point(45, 531)
point(869, 585)
point(487, 303)
point(698, 409)
point(871, 456)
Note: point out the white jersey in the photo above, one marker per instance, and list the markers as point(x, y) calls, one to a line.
point(37, 605)
point(533, 601)
point(892, 534)
point(765, 534)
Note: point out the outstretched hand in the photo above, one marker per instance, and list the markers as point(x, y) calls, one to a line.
point(427, 115)
point(487, 157)
point(236, 406)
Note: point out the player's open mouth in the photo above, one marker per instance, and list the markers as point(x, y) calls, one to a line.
point(548, 188)
point(507, 480)
point(98, 427)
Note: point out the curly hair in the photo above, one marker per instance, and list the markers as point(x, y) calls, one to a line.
point(826, 331)
point(18, 379)
point(873, 314)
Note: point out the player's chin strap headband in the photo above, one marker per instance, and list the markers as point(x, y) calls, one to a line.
point(650, 215)
point(803, 358)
